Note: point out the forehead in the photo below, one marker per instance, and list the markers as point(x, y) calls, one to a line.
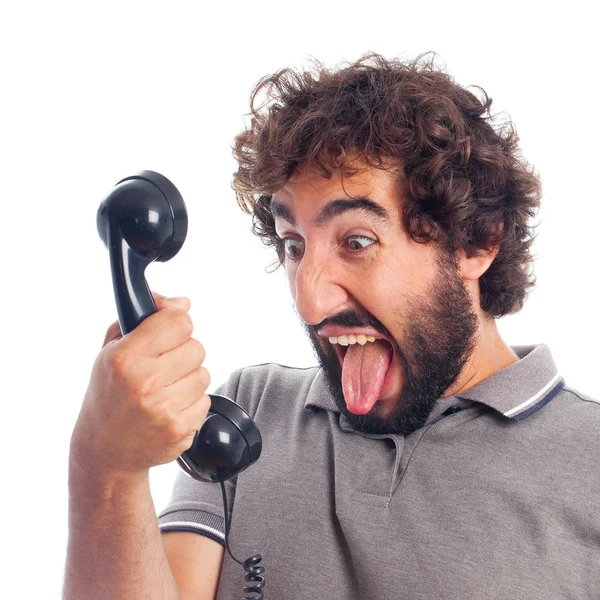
point(309, 191)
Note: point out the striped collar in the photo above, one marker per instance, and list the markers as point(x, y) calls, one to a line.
point(516, 392)
point(522, 388)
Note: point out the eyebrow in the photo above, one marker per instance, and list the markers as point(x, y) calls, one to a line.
point(334, 209)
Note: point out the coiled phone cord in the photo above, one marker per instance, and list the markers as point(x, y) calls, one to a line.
point(255, 582)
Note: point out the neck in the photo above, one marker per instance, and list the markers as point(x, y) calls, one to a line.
point(490, 355)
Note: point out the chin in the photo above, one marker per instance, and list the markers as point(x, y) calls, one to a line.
point(382, 409)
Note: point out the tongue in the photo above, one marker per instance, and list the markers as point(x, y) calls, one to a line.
point(363, 374)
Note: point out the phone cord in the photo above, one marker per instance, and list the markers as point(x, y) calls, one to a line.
point(255, 582)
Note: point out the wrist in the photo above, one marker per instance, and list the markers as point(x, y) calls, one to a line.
point(90, 479)
point(91, 468)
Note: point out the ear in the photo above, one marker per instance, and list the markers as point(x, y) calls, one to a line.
point(473, 267)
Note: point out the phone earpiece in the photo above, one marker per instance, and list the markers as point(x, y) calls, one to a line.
point(227, 443)
point(143, 220)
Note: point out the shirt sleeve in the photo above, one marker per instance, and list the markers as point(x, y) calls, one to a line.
point(197, 506)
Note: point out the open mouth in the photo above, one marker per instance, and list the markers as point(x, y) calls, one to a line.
point(342, 348)
point(365, 369)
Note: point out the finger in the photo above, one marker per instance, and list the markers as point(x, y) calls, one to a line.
point(195, 414)
point(161, 302)
point(187, 390)
point(179, 362)
point(159, 333)
point(112, 333)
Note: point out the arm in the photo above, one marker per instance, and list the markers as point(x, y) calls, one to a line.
point(116, 549)
point(195, 562)
point(144, 403)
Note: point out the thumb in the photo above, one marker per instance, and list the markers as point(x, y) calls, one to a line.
point(183, 303)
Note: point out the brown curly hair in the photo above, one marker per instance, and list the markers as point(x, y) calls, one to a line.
point(466, 183)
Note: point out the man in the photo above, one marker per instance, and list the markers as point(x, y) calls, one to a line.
point(424, 457)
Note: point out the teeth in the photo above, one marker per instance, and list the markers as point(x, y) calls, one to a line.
point(346, 340)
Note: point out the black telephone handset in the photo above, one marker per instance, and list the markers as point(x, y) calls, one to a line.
point(142, 220)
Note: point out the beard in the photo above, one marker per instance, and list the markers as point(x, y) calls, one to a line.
point(439, 337)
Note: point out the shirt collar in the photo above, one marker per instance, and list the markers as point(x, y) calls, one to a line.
point(523, 387)
point(516, 391)
point(319, 395)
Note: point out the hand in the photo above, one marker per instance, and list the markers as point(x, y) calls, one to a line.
point(146, 397)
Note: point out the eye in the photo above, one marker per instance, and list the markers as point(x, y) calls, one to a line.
point(357, 243)
point(293, 248)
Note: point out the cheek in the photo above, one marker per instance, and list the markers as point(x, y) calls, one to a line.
point(389, 289)
point(385, 279)
point(405, 274)
point(290, 274)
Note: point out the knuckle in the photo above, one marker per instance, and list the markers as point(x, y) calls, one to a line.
point(198, 381)
point(198, 350)
point(163, 420)
point(184, 443)
point(198, 412)
point(119, 358)
point(177, 429)
point(204, 376)
point(204, 404)
point(138, 395)
point(161, 414)
point(144, 387)
point(203, 407)
point(182, 321)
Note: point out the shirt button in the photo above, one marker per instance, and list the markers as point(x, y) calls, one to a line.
point(451, 411)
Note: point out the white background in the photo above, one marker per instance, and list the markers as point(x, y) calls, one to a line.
point(91, 93)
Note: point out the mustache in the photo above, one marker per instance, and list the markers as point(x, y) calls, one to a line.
point(351, 318)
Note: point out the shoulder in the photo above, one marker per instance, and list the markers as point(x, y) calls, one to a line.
point(252, 385)
point(577, 398)
point(574, 418)
point(571, 404)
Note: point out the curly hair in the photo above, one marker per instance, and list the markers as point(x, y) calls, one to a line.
point(465, 182)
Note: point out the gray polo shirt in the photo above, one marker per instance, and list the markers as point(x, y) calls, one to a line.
point(496, 497)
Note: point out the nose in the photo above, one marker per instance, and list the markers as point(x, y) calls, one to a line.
point(318, 289)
